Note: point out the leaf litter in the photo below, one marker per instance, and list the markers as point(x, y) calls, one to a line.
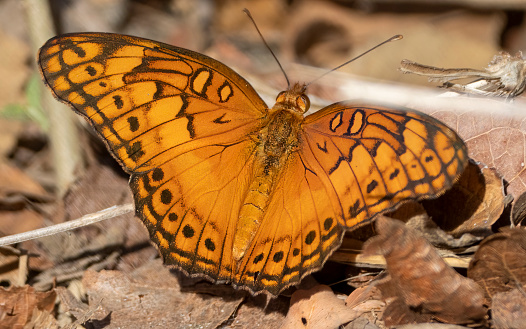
point(120, 284)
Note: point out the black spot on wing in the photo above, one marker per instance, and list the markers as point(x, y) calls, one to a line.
point(219, 120)
point(322, 148)
point(133, 122)
point(371, 186)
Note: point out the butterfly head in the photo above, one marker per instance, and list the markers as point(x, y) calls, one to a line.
point(294, 98)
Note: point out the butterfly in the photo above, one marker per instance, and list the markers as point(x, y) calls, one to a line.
point(228, 188)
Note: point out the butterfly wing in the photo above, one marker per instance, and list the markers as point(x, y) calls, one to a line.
point(182, 124)
point(354, 161)
point(375, 157)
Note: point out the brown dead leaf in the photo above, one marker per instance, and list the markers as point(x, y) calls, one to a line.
point(498, 141)
point(317, 307)
point(18, 303)
point(508, 309)
point(421, 286)
point(368, 300)
point(150, 297)
point(518, 211)
point(364, 294)
point(499, 265)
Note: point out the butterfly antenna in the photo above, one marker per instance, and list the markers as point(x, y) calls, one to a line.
point(393, 38)
point(246, 11)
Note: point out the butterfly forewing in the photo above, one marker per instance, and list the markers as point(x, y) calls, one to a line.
point(147, 99)
point(377, 157)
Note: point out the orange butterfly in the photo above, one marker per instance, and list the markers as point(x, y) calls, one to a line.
point(228, 188)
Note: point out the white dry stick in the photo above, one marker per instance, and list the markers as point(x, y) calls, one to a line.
point(67, 226)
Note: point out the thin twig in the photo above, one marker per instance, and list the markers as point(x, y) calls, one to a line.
point(67, 226)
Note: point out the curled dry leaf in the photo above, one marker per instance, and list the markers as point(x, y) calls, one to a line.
point(499, 265)
point(317, 307)
point(518, 211)
point(368, 300)
point(421, 286)
point(472, 205)
point(505, 76)
point(18, 303)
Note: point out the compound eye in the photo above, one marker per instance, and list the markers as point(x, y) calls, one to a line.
point(303, 102)
point(280, 96)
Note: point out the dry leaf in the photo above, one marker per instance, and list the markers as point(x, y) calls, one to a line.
point(363, 294)
point(518, 210)
point(259, 312)
point(508, 309)
point(18, 303)
point(430, 326)
point(317, 307)
point(361, 323)
point(150, 297)
point(421, 286)
point(499, 264)
point(498, 141)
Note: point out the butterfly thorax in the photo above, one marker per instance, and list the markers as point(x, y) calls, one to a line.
point(277, 141)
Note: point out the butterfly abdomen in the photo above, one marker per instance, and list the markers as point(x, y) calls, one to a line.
point(276, 143)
